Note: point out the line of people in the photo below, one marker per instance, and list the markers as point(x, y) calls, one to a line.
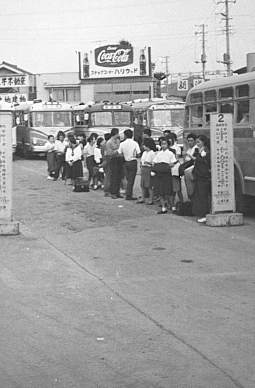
point(108, 161)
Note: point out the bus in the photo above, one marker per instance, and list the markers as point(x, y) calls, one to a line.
point(159, 115)
point(102, 117)
point(36, 121)
point(235, 95)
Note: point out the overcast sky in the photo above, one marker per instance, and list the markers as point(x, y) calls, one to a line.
point(43, 35)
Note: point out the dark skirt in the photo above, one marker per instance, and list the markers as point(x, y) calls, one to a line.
point(200, 198)
point(164, 183)
point(146, 177)
point(75, 171)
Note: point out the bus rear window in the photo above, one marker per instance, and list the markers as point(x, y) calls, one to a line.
point(196, 98)
point(226, 93)
point(210, 95)
point(242, 91)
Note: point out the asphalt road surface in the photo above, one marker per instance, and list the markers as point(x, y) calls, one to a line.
point(105, 293)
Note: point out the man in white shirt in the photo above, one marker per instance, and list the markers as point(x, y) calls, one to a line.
point(130, 151)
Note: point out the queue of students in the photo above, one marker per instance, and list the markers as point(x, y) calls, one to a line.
point(108, 161)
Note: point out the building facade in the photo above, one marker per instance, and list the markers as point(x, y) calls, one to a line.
point(16, 84)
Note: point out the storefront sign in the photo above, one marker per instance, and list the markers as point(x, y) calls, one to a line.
point(114, 60)
point(197, 81)
point(5, 166)
point(13, 97)
point(222, 163)
point(12, 81)
point(182, 85)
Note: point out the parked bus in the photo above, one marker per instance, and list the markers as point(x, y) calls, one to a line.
point(102, 117)
point(37, 120)
point(235, 95)
point(10, 107)
point(159, 115)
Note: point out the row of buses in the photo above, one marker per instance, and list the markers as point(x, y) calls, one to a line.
point(33, 122)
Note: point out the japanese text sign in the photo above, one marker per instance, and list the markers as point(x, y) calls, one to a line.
point(222, 163)
point(13, 81)
point(5, 165)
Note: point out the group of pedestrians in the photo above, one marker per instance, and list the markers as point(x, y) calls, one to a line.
point(109, 162)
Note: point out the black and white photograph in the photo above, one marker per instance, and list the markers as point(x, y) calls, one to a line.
point(127, 194)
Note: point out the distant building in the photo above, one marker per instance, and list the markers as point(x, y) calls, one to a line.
point(16, 84)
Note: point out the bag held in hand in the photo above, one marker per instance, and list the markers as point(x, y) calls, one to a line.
point(81, 185)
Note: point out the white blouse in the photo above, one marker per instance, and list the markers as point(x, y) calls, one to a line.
point(73, 154)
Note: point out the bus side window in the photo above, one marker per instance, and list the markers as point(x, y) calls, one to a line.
point(209, 108)
point(242, 105)
point(226, 107)
point(243, 112)
point(196, 115)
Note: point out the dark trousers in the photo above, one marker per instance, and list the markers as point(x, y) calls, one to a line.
point(107, 175)
point(130, 169)
point(60, 164)
point(115, 171)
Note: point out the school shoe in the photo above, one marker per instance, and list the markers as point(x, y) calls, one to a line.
point(162, 211)
point(50, 178)
point(131, 198)
point(201, 220)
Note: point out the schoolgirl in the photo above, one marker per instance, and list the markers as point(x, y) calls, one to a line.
point(73, 159)
point(88, 153)
point(60, 148)
point(162, 164)
point(98, 174)
point(146, 165)
point(51, 159)
point(200, 199)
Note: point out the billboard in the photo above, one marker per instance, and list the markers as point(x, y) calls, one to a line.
point(114, 60)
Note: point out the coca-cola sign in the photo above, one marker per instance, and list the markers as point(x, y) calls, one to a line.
point(114, 56)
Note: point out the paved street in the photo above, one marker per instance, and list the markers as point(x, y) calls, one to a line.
point(104, 293)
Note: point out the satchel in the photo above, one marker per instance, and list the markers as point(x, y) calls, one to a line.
point(81, 185)
point(161, 168)
point(184, 166)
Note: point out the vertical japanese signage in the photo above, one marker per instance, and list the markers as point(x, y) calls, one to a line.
point(5, 166)
point(222, 163)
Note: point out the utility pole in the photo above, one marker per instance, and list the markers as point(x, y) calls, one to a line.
point(166, 58)
point(203, 60)
point(226, 56)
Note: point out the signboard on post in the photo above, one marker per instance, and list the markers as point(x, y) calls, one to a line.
point(222, 163)
point(182, 85)
point(6, 224)
point(114, 60)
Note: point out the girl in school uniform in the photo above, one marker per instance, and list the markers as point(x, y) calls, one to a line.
point(146, 165)
point(51, 157)
point(162, 164)
point(98, 174)
point(73, 159)
point(88, 152)
point(200, 199)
